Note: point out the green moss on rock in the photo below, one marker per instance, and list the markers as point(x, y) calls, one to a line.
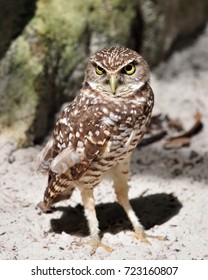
point(45, 65)
point(18, 70)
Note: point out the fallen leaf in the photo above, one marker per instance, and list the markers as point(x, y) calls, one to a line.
point(177, 143)
point(183, 139)
point(176, 124)
point(197, 126)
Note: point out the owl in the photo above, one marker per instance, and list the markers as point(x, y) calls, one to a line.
point(96, 134)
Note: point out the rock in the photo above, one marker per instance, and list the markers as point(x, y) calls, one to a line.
point(14, 15)
point(170, 24)
point(36, 68)
point(44, 65)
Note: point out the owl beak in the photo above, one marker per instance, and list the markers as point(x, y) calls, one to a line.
point(113, 83)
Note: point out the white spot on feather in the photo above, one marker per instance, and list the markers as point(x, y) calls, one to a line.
point(113, 116)
point(80, 144)
point(75, 112)
point(105, 111)
point(59, 146)
point(130, 139)
point(77, 134)
point(64, 121)
point(90, 133)
point(60, 134)
point(107, 133)
point(107, 121)
point(63, 145)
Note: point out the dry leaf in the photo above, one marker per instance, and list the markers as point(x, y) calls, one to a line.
point(177, 143)
point(183, 139)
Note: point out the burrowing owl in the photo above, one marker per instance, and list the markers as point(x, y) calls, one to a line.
point(97, 132)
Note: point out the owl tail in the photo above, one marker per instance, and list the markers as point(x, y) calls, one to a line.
point(59, 188)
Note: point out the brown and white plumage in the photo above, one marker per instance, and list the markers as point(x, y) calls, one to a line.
point(97, 132)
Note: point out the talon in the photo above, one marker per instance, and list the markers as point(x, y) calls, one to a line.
point(158, 237)
point(95, 244)
point(142, 236)
point(106, 247)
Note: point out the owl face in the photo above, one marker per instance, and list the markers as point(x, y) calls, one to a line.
point(116, 71)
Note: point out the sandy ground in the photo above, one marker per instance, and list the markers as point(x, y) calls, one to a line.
point(169, 188)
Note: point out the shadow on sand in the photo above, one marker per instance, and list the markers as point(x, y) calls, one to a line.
point(151, 210)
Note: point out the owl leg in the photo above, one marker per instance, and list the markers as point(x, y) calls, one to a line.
point(120, 176)
point(90, 213)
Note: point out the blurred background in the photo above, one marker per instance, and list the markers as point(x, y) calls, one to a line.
point(44, 46)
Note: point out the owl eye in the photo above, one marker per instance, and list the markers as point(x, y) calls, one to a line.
point(129, 69)
point(99, 70)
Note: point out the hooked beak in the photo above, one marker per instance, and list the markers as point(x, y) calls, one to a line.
point(113, 83)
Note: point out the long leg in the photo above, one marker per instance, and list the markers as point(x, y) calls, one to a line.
point(120, 174)
point(90, 213)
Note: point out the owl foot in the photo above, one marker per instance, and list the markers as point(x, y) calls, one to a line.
point(95, 244)
point(142, 236)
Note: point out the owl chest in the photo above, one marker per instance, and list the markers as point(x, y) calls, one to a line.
point(123, 142)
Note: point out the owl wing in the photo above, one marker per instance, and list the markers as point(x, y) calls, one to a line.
point(77, 160)
point(93, 145)
point(72, 157)
point(50, 159)
point(45, 157)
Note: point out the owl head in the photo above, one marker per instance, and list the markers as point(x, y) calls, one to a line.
point(116, 71)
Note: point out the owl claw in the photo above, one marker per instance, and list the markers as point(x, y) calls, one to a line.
point(142, 236)
point(95, 244)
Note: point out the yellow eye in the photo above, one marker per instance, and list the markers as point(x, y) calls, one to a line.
point(129, 69)
point(99, 70)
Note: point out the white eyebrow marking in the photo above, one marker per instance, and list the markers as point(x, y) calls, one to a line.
point(137, 85)
point(92, 84)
